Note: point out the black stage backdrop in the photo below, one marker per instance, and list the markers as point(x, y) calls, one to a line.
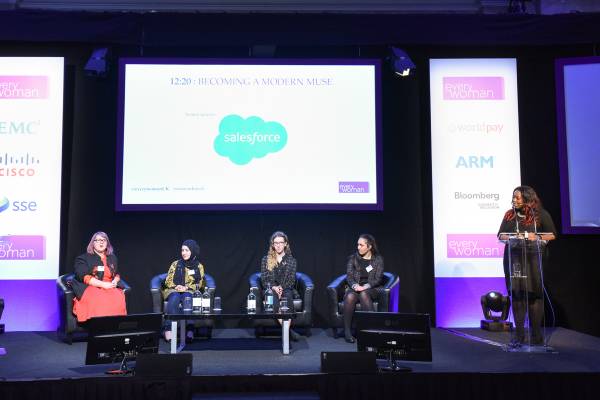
point(232, 243)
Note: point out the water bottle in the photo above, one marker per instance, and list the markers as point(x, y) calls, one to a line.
point(206, 302)
point(251, 303)
point(197, 301)
point(269, 300)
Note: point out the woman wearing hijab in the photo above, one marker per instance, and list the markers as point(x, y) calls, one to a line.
point(185, 276)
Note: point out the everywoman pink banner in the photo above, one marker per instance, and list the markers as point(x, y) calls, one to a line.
point(23, 87)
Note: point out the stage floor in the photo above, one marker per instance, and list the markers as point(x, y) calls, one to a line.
point(40, 355)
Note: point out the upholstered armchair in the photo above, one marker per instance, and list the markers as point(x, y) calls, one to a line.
point(303, 296)
point(337, 289)
point(68, 325)
point(159, 304)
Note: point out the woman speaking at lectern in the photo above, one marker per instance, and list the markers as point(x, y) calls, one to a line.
point(529, 220)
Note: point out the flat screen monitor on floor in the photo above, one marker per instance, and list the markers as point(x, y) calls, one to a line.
point(120, 338)
point(394, 336)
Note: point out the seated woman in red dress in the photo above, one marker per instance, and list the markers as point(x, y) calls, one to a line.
point(97, 287)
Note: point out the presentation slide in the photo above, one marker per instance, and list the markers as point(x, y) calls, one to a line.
point(31, 109)
point(210, 135)
point(475, 167)
point(578, 96)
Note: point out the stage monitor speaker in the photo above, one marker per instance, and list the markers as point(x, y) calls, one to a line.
point(150, 365)
point(348, 362)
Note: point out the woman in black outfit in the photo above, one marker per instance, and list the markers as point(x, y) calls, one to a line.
point(278, 272)
point(527, 216)
point(364, 273)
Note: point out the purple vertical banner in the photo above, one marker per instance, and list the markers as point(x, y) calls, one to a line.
point(458, 300)
point(29, 305)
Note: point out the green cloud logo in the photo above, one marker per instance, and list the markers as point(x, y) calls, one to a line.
point(241, 139)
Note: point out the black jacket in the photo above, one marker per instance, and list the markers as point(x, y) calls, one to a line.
point(353, 271)
point(85, 265)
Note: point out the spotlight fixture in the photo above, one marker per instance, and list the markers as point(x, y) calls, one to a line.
point(401, 62)
point(97, 65)
point(492, 303)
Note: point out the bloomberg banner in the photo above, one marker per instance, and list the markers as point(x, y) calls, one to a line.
point(475, 167)
point(31, 110)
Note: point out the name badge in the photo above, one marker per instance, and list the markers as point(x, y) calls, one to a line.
point(100, 268)
point(191, 272)
point(369, 268)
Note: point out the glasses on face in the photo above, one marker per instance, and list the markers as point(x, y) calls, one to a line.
point(278, 243)
point(100, 240)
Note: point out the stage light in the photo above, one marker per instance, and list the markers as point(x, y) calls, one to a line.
point(495, 302)
point(97, 65)
point(401, 62)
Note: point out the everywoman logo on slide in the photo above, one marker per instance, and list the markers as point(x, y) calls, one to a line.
point(241, 139)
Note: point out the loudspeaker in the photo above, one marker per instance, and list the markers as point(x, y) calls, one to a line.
point(348, 362)
point(149, 365)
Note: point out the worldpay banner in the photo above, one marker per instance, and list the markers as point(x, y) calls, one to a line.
point(31, 120)
point(475, 166)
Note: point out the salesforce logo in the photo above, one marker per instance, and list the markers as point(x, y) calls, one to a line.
point(474, 162)
point(18, 205)
point(241, 139)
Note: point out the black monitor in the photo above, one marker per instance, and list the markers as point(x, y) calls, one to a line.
point(121, 338)
point(394, 336)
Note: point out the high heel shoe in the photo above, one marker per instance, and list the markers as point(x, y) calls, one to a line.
point(350, 339)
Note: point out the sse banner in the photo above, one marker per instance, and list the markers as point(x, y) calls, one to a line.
point(31, 110)
point(475, 166)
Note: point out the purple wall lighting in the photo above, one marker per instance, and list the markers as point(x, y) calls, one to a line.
point(29, 305)
point(458, 300)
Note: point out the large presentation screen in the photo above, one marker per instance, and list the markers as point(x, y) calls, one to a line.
point(577, 97)
point(31, 121)
point(216, 134)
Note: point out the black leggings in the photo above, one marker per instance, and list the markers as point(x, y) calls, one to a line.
point(350, 299)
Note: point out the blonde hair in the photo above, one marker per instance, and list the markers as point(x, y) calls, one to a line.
point(272, 254)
